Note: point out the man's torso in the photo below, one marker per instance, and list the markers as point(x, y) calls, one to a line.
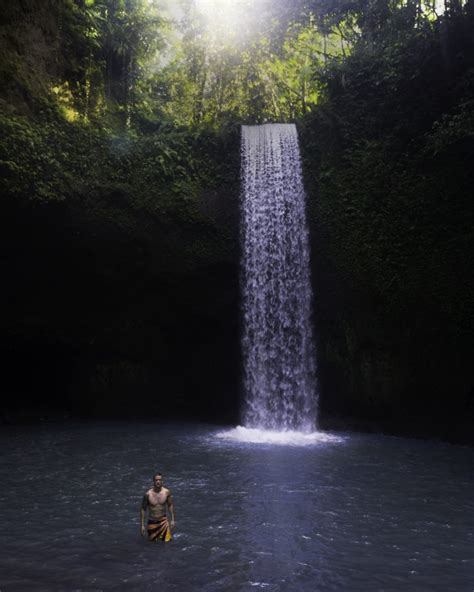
point(157, 502)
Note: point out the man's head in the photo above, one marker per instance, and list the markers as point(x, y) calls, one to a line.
point(158, 480)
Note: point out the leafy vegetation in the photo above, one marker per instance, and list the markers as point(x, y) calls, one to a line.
point(387, 159)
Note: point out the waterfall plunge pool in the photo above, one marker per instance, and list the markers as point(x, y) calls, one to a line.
point(362, 512)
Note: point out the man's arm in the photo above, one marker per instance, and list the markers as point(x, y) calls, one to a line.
point(169, 501)
point(143, 510)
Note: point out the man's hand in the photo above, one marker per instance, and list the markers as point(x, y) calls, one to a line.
point(142, 530)
point(173, 524)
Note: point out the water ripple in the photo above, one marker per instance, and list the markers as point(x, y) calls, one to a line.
point(368, 513)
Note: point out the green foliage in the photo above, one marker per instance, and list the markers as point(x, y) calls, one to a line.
point(52, 159)
point(217, 84)
point(31, 164)
point(387, 159)
point(121, 63)
point(130, 183)
point(452, 129)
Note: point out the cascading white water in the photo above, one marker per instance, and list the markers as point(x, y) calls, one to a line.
point(278, 346)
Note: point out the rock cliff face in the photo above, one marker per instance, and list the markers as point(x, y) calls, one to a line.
point(31, 52)
point(389, 176)
point(393, 284)
point(114, 312)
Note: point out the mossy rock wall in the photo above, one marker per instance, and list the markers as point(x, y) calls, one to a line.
point(389, 183)
point(122, 277)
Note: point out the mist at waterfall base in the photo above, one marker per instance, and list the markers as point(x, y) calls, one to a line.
point(366, 513)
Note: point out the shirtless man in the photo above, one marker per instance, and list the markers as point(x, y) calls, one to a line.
point(156, 501)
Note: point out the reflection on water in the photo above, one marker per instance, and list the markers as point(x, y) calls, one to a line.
point(365, 513)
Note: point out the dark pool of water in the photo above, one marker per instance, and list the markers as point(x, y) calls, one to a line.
point(368, 513)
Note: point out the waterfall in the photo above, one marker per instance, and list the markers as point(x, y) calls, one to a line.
point(278, 346)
